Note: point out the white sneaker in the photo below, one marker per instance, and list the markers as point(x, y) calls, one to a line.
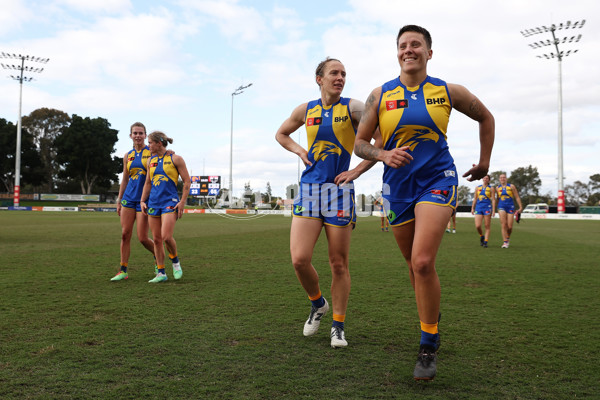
point(338, 339)
point(311, 326)
point(453, 230)
point(505, 245)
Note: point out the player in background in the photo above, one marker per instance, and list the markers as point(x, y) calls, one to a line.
point(326, 198)
point(130, 192)
point(384, 221)
point(451, 228)
point(160, 201)
point(419, 179)
point(483, 207)
point(507, 194)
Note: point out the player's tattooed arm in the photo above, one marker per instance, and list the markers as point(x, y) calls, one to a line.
point(367, 129)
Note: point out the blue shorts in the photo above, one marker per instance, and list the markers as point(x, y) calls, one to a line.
point(132, 204)
point(332, 204)
point(483, 209)
point(507, 206)
point(402, 212)
point(162, 209)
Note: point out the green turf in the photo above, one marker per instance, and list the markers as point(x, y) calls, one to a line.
point(520, 323)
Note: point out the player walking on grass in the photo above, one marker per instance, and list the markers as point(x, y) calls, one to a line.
point(130, 192)
point(483, 207)
point(419, 180)
point(326, 197)
point(507, 194)
point(160, 201)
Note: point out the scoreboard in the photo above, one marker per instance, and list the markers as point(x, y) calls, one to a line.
point(205, 185)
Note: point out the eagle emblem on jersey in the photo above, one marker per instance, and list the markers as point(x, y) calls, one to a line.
point(157, 179)
point(136, 173)
point(412, 135)
point(322, 149)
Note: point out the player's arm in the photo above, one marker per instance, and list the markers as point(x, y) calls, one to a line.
point(474, 202)
point(493, 201)
point(356, 111)
point(289, 126)
point(146, 190)
point(517, 198)
point(367, 128)
point(123, 186)
point(185, 177)
point(468, 104)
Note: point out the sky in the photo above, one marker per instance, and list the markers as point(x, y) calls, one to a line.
point(174, 64)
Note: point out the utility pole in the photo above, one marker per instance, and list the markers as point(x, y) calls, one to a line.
point(559, 56)
point(236, 92)
point(21, 68)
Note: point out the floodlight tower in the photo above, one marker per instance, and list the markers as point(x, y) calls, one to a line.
point(559, 56)
point(19, 77)
point(236, 92)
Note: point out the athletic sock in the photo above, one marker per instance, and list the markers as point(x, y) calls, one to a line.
point(161, 269)
point(174, 258)
point(318, 300)
point(124, 267)
point(429, 334)
point(338, 321)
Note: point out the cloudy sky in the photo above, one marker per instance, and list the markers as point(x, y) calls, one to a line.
point(173, 65)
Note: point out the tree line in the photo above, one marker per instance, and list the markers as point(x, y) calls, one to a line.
point(60, 153)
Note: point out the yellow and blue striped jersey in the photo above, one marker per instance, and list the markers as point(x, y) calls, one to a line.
point(164, 176)
point(505, 192)
point(416, 117)
point(330, 140)
point(484, 195)
point(136, 168)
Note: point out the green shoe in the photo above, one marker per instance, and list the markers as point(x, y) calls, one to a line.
point(120, 276)
point(177, 272)
point(155, 269)
point(158, 278)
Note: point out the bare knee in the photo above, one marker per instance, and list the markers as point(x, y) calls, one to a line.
point(339, 266)
point(126, 235)
point(423, 265)
point(301, 262)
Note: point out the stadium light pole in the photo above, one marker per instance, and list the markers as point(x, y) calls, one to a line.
point(559, 56)
point(19, 77)
point(236, 92)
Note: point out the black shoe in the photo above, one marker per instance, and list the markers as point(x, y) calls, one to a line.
point(481, 240)
point(426, 366)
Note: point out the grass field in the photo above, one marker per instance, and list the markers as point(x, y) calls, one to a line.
point(520, 323)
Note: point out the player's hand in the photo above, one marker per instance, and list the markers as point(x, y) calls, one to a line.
point(397, 157)
point(475, 173)
point(180, 208)
point(119, 208)
point(304, 157)
point(345, 177)
point(144, 207)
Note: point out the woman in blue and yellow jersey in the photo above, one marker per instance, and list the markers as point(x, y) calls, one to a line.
point(326, 197)
point(483, 208)
point(160, 201)
point(507, 193)
point(130, 191)
point(420, 179)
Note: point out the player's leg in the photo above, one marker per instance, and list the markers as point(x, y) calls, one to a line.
point(159, 251)
point(338, 239)
point(478, 219)
point(142, 227)
point(303, 237)
point(127, 220)
point(503, 224)
point(487, 220)
point(510, 218)
point(168, 227)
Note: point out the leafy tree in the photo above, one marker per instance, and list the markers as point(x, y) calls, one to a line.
point(576, 194)
point(32, 171)
point(84, 153)
point(594, 184)
point(46, 124)
point(527, 181)
point(464, 195)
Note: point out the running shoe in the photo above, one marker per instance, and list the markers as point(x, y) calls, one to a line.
point(505, 245)
point(338, 339)
point(485, 245)
point(426, 366)
point(120, 276)
point(453, 230)
point(177, 272)
point(159, 278)
point(481, 240)
point(311, 326)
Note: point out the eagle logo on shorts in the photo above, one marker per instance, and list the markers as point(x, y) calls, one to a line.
point(157, 179)
point(322, 148)
point(412, 135)
point(136, 173)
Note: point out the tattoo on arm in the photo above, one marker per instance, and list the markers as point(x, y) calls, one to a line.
point(474, 108)
point(367, 151)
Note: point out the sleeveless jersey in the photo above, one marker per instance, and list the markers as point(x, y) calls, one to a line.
point(164, 177)
point(505, 196)
point(136, 167)
point(416, 117)
point(484, 195)
point(330, 140)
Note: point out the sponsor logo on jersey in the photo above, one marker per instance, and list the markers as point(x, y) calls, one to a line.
point(442, 192)
point(343, 214)
point(298, 209)
point(131, 158)
point(123, 202)
point(439, 100)
point(395, 104)
point(391, 216)
point(322, 149)
point(412, 135)
point(413, 96)
point(314, 121)
point(154, 164)
point(341, 119)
